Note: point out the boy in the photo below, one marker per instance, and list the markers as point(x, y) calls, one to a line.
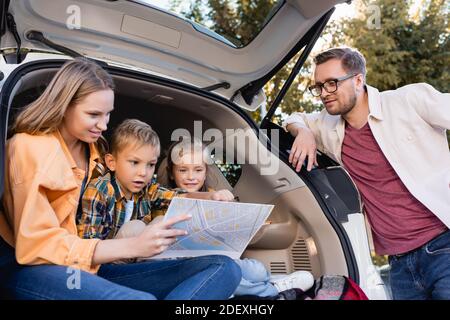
point(126, 192)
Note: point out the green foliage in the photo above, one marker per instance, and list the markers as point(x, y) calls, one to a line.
point(405, 48)
point(297, 97)
point(242, 20)
point(195, 11)
point(238, 21)
point(231, 172)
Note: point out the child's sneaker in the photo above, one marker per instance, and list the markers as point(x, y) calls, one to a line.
point(303, 280)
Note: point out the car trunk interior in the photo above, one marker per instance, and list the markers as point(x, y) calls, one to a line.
point(299, 236)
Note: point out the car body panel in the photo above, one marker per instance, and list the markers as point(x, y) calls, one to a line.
point(156, 40)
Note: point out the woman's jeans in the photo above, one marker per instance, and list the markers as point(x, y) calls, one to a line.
point(202, 278)
point(423, 273)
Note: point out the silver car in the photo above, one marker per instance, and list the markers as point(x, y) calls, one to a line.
point(176, 74)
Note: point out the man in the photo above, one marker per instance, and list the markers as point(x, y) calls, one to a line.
point(394, 146)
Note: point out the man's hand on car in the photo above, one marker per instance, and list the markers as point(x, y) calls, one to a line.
point(304, 146)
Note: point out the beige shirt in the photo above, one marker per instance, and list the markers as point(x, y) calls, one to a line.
point(409, 124)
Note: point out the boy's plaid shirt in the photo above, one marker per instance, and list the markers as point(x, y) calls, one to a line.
point(103, 206)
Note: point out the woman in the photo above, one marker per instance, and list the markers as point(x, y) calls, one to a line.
point(56, 149)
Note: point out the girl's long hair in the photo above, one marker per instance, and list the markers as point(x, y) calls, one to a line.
point(75, 80)
point(183, 146)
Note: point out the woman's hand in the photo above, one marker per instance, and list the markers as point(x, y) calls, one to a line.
point(154, 239)
point(222, 195)
point(158, 236)
point(156, 219)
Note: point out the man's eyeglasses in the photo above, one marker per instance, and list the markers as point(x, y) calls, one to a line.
point(330, 86)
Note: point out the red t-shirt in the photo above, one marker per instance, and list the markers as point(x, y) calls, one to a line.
point(399, 222)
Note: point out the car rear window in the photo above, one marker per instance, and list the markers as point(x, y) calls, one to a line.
point(233, 22)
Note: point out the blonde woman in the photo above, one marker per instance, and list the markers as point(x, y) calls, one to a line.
point(55, 150)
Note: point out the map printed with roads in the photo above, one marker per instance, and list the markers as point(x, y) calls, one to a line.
point(216, 227)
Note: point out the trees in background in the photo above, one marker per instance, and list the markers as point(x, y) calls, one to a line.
point(408, 46)
point(407, 42)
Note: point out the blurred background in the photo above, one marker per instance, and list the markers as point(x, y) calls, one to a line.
point(403, 41)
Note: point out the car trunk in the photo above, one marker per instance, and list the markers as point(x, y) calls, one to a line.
point(300, 236)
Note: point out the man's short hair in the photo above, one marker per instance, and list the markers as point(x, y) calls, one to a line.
point(133, 131)
point(352, 60)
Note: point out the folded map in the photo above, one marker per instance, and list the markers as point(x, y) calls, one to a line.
point(216, 227)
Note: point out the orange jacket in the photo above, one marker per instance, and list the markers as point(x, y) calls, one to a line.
point(42, 190)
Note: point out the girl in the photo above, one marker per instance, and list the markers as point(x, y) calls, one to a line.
point(187, 168)
point(56, 149)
